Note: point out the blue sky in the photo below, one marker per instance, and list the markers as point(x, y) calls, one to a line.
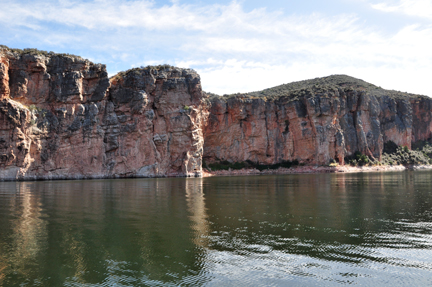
point(237, 46)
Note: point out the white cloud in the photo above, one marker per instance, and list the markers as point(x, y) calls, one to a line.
point(115, 14)
point(233, 50)
point(419, 8)
point(246, 77)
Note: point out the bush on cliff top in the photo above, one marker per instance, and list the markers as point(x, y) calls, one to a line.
point(137, 70)
point(326, 87)
point(33, 51)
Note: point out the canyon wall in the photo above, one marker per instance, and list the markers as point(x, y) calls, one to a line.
point(61, 117)
point(314, 125)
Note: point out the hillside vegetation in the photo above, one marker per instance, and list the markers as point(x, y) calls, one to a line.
point(36, 52)
point(325, 85)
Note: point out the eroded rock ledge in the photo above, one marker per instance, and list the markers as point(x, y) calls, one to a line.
point(61, 117)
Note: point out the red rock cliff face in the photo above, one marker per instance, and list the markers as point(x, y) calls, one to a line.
point(314, 125)
point(60, 117)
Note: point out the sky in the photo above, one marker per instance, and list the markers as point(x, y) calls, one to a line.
point(237, 46)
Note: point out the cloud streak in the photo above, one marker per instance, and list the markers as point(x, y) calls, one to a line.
point(416, 8)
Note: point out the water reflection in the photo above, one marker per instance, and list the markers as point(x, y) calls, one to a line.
point(196, 207)
point(111, 231)
point(267, 230)
point(26, 233)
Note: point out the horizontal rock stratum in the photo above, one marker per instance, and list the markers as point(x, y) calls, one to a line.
point(61, 117)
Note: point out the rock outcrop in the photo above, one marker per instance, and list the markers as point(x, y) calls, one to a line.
point(314, 122)
point(61, 117)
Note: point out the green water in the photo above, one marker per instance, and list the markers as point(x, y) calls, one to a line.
point(287, 230)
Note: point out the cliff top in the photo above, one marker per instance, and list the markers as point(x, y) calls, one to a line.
point(159, 71)
point(131, 72)
point(324, 85)
point(36, 52)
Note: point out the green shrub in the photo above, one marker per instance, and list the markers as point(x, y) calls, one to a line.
point(226, 165)
point(404, 156)
point(358, 159)
point(362, 159)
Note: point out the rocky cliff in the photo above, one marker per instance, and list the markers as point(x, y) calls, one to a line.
point(61, 117)
point(314, 122)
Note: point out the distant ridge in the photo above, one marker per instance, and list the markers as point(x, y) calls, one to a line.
point(322, 85)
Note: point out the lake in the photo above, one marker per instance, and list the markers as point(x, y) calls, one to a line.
point(369, 229)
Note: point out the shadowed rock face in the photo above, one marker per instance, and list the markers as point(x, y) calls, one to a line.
point(61, 117)
point(314, 122)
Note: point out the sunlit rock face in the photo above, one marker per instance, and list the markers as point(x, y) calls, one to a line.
point(314, 122)
point(61, 117)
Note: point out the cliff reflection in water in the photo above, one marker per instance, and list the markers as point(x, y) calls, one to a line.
point(24, 238)
point(197, 210)
point(98, 231)
point(304, 229)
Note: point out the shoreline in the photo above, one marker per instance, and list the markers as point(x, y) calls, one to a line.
point(241, 172)
point(314, 169)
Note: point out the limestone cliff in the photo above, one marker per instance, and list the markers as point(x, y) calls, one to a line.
point(314, 122)
point(61, 117)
